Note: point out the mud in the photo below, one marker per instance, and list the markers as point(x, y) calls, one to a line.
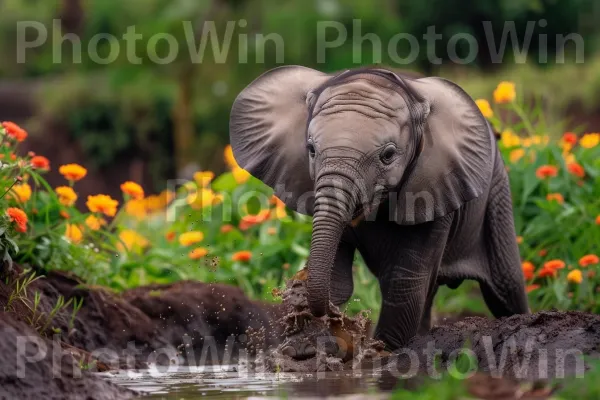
point(543, 345)
point(61, 378)
point(334, 342)
point(161, 324)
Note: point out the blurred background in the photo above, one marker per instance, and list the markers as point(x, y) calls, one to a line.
point(150, 121)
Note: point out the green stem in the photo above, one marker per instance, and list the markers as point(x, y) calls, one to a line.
point(524, 118)
point(9, 188)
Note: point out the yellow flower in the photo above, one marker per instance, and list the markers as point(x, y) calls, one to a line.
point(516, 154)
point(103, 204)
point(203, 178)
point(94, 223)
point(229, 158)
point(66, 195)
point(73, 233)
point(22, 192)
point(72, 172)
point(132, 189)
point(197, 253)
point(589, 140)
point(136, 208)
point(131, 240)
point(540, 139)
point(240, 175)
point(575, 276)
point(203, 198)
point(190, 238)
point(505, 92)
point(509, 139)
point(484, 107)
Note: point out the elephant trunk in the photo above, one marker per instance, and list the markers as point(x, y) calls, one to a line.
point(333, 210)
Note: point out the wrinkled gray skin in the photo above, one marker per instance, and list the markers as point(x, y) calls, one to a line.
point(431, 213)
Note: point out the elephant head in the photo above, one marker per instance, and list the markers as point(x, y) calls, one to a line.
point(338, 146)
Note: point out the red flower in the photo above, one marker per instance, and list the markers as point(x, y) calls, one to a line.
point(19, 217)
point(243, 256)
point(531, 288)
point(554, 264)
point(528, 269)
point(547, 272)
point(40, 162)
point(14, 131)
point(576, 169)
point(589, 259)
point(571, 138)
point(546, 171)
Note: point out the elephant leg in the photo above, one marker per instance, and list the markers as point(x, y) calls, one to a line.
point(342, 284)
point(425, 326)
point(410, 281)
point(503, 288)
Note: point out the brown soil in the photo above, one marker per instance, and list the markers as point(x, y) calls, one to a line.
point(158, 323)
point(44, 379)
point(543, 345)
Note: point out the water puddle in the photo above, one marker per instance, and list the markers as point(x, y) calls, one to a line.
point(219, 382)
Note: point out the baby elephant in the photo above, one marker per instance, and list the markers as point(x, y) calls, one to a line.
point(406, 171)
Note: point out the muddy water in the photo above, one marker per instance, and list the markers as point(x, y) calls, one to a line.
point(227, 383)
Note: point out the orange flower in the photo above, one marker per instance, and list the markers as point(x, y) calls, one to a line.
point(555, 197)
point(22, 192)
point(189, 238)
point(132, 241)
point(576, 169)
point(546, 171)
point(575, 276)
point(103, 204)
point(249, 221)
point(543, 252)
point(94, 223)
point(170, 236)
point(227, 228)
point(197, 253)
point(571, 138)
point(64, 214)
point(554, 264)
point(72, 172)
point(528, 269)
point(240, 175)
point(14, 131)
point(272, 231)
point(519, 239)
point(531, 288)
point(132, 189)
point(40, 162)
point(589, 259)
point(136, 208)
point(598, 220)
point(73, 233)
point(19, 217)
point(505, 92)
point(243, 256)
point(66, 195)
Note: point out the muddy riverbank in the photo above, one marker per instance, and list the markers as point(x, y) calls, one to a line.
point(197, 323)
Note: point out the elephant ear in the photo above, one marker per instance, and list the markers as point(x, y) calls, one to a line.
point(456, 160)
point(267, 130)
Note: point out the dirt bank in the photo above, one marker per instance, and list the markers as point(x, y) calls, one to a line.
point(162, 324)
point(43, 378)
point(543, 345)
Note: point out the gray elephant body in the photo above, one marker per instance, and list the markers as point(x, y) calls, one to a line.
point(413, 160)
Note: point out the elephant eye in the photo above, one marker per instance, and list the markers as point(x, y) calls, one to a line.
point(388, 153)
point(311, 148)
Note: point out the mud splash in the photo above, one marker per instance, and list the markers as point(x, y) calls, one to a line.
point(334, 342)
